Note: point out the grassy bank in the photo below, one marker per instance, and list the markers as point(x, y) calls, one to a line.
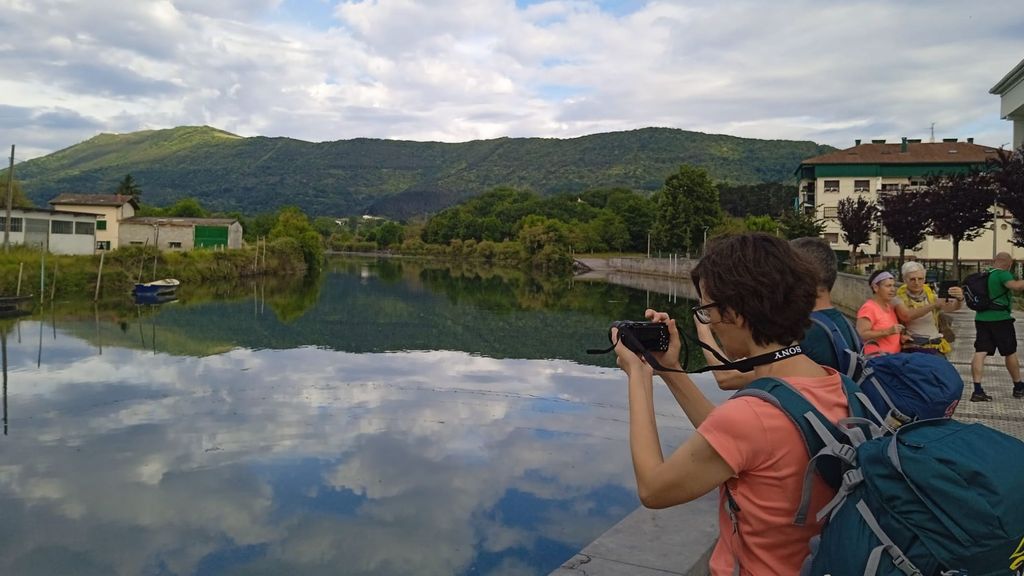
point(76, 276)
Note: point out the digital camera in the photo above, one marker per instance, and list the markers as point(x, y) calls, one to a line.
point(651, 336)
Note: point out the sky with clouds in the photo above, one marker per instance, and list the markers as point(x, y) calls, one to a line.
point(457, 70)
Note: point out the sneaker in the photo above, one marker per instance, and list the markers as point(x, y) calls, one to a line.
point(1018, 393)
point(982, 397)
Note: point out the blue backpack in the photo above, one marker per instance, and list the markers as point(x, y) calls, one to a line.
point(934, 497)
point(912, 386)
point(903, 386)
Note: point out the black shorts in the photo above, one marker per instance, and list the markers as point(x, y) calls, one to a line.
point(999, 335)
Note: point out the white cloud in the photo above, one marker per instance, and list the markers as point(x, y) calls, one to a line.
point(465, 69)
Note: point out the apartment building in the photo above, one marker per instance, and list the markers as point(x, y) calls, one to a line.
point(879, 167)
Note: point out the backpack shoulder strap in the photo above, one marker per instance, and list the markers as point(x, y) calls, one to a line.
point(821, 437)
point(780, 394)
point(847, 355)
point(857, 345)
point(992, 299)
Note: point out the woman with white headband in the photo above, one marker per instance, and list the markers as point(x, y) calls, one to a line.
point(877, 323)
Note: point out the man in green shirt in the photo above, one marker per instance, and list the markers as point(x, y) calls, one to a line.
point(995, 330)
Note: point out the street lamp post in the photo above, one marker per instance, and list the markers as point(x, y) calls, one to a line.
point(704, 246)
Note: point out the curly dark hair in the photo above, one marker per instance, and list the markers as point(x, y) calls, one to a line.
point(761, 278)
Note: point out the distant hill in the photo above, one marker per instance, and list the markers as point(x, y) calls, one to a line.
point(391, 177)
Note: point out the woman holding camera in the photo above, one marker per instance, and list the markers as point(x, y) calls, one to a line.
point(919, 308)
point(746, 447)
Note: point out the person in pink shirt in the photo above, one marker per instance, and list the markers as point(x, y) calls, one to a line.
point(756, 294)
point(877, 323)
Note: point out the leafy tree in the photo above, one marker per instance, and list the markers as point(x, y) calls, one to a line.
point(764, 199)
point(636, 212)
point(799, 224)
point(857, 220)
point(959, 207)
point(257, 226)
point(546, 243)
point(1007, 171)
point(388, 234)
point(129, 187)
point(905, 217)
point(687, 207)
point(761, 224)
point(187, 208)
point(293, 223)
point(18, 197)
point(608, 232)
point(536, 232)
point(446, 226)
point(729, 226)
point(567, 208)
point(326, 226)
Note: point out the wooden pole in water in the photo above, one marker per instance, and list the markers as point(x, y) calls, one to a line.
point(256, 255)
point(3, 348)
point(53, 286)
point(99, 278)
point(42, 275)
point(10, 196)
point(264, 254)
point(21, 268)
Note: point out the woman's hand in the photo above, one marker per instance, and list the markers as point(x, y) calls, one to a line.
point(896, 329)
point(956, 292)
point(669, 358)
point(627, 360)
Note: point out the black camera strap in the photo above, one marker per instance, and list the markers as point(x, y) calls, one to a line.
point(744, 365)
point(748, 364)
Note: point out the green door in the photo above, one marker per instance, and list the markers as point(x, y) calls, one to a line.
point(210, 236)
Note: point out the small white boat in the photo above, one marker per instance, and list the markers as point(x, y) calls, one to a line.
point(164, 286)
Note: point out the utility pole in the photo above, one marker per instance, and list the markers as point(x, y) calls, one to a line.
point(10, 197)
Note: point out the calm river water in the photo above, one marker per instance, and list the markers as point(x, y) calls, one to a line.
point(387, 419)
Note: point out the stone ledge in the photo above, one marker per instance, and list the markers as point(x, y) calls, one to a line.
point(676, 541)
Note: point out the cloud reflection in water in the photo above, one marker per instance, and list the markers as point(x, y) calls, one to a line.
point(309, 461)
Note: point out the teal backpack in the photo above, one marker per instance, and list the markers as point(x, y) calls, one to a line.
point(932, 497)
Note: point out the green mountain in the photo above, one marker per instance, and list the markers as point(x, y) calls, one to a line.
point(390, 177)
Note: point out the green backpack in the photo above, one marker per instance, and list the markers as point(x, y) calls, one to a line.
point(933, 497)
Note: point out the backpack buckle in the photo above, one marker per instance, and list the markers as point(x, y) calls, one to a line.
point(846, 453)
point(851, 478)
point(903, 564)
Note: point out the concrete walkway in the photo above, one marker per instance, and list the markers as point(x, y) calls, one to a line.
point(679, 540)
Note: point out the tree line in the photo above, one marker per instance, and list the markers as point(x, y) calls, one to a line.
point(958, 206)
point(513, 226)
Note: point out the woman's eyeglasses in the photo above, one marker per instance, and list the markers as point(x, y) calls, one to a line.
point(703, 313)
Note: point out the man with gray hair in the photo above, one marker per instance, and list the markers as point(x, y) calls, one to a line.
point(995, 327)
